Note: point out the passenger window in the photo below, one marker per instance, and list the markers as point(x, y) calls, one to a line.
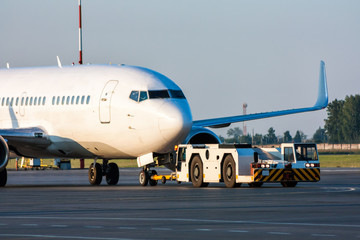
point(53, 101)
point(27, 101)
point(72, 100)
point(67, 100)
point(44, 100)
point(63, 100)
point(39, 101)
point(77, 99)
point(134, 95)
point(143, 96)
point(7, 102)
point(82, 99)
point(58, 100)
point(31, 101)
point(11, 101)
point(88, 100)
point(22, 101)
point(35, 100)
point(3, 101)
point(17, 101)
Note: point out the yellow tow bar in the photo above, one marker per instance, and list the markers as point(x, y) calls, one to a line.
point(163, 178)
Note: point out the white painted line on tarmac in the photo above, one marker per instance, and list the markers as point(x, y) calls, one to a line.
point(59, 226)
point(58, 236)
point(323, 235)
point(203, 229)
point(279, 233)
point(127, 228)
point(30, 225)
point(161, 229)
point(188, 220)
point(339, 189)
point(94, 227)
point(238, 231)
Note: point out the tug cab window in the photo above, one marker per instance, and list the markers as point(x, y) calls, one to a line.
point(306, 152)
point(289, 154)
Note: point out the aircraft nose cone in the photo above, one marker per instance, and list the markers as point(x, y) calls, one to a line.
point(175, 121)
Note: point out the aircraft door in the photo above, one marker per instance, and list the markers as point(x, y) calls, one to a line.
point(105, 101)
point(22, 104)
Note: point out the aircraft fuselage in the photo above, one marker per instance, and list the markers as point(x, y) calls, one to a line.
point(102, 111)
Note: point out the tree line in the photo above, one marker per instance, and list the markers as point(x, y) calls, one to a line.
point(343, 122)
point(235, 135)
point(341, 126)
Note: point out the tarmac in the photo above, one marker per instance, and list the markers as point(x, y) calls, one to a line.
point(60, 204)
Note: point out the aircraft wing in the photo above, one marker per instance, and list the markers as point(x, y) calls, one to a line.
point(321, 103)
point(33, 136)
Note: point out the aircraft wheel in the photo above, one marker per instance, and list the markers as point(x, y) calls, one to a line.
point(196, 171)
point(143, 178)
point(151, 181)
point(3, 177)
point(255, 184)
point(289, 184)
point(95, 174)
point(229, 172)
point(163, 180)
point(112, 174)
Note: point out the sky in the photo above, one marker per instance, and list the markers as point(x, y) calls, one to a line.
point(220, 53)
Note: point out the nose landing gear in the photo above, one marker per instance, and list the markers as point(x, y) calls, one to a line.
point(145, 177)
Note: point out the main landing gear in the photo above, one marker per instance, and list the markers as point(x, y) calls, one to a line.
point(97, 171)
point(145, 177)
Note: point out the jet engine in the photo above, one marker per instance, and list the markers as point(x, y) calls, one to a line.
point(200, 135)
point(4, 153)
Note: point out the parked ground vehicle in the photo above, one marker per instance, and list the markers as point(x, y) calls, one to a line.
point(241, 163)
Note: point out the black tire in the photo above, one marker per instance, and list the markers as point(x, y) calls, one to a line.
point(112, 174)
point(95, 174)
point(229, 172)
point(196, 170)
point(143, 178)
point(255, 184)
point(289, 184)
point(151, 181)
point(163, 180)
point(3, 177)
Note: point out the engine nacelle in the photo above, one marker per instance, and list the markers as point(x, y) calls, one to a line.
point(200, 135)
point(4, 153)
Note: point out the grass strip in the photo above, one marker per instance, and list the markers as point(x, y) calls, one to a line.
point(326, 160)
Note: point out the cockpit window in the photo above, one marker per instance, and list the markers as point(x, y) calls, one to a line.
point(159, 94)
point(176, 94)
point(134, 95)
point(143, 96)
point(139, 96)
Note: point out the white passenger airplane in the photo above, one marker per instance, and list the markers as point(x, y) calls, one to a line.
point(104, 112)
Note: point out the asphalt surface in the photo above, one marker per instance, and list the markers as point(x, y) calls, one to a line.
point(62, 205)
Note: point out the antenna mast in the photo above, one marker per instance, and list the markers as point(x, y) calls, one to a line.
point(80, 35)
point(244, 124)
